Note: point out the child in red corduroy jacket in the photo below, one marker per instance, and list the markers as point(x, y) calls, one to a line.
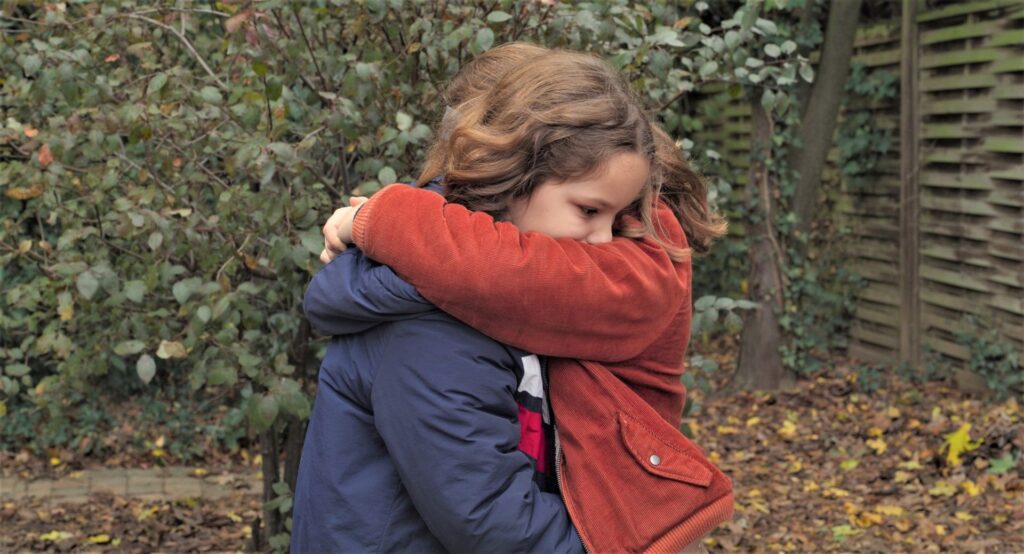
point(630, 480)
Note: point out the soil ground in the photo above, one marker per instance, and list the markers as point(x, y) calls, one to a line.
point(832, 465)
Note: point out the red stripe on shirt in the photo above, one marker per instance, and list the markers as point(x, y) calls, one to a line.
point(531, 437)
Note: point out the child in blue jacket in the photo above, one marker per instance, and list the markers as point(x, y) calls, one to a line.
point(413, 443)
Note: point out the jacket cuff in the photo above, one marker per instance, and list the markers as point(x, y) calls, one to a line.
point(361, 220)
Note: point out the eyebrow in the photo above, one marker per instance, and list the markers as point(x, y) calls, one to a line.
point(597, 202)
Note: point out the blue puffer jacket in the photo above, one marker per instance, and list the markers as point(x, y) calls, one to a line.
point(412, 443)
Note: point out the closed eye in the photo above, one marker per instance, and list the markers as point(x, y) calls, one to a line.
point(587, 211)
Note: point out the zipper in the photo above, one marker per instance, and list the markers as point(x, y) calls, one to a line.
point(559, 480)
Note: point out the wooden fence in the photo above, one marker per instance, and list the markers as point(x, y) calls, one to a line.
point(967, 172)
point(938, 227)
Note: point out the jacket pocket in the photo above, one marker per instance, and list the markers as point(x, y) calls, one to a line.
point(664, 457)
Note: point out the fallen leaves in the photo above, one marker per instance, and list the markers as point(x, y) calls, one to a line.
point(878, 445)
point(942, 488)
point(113, 523)
point(171, 349)
point(835, 469)
point(25, 193)
point(55, 536)
point(959, 442)
point(45, 156)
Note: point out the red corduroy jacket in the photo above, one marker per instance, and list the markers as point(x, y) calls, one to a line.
point(631, 481)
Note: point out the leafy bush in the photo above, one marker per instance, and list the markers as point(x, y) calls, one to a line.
point(993, 357)
point(166, 169)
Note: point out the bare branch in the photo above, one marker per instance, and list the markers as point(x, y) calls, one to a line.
point(184, 41)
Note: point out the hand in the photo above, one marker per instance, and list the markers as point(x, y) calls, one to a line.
point(338, 229)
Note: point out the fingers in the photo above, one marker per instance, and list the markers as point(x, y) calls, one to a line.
point(330, 230)
point(326, 255)
point(333, 241)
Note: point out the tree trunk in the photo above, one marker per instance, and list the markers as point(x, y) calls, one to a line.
point(295, 432)
point(272, 523)
point(819, 118)
point(760, 362)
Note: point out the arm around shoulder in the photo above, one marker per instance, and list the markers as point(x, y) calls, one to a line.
point(557, 297)
point(354, 293)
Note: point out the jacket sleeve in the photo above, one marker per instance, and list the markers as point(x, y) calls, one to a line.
point(444, 406)
point(354, 293)
point(556, 297)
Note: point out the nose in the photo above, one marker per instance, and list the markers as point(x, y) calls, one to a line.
point(600, 235)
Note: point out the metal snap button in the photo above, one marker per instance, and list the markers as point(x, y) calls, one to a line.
point(655, 459)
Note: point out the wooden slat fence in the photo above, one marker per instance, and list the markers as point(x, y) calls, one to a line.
point(943, 238)
point(870, 209)
point(970, 170)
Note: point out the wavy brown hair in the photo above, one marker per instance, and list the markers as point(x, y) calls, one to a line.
point(686, 194)
point(520, 115)
point(480, 75)
point(556, 117)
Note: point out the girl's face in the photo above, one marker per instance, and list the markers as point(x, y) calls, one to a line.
point(584, 209)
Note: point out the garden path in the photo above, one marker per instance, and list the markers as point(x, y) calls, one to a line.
point(145, 484)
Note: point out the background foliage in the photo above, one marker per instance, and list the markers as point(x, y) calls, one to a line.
point(167, 169)
point(164, 172)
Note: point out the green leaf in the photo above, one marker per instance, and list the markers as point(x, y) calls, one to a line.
point(222, 375)
point(485, 39)
point(267, 172)
point(766, 25)
point(17, 370)
point(156, 238)
point(211, 95)
point(259, 68)
point(183, 289)
point(703, 303)
point(312, 240)
point(273, 88)
point(403, 121)
point(145, 367)
point(248, 360)
point(789, 47)
point(999, 466)
point(498, 16)
point(134, 291)
point(156, 84)
point(204, 313)
point(665, 35)
point(725, 303)
point(70, 268)
point(386, 175)
point(708, 69)
point(264, 411)
point(772, 50)
point(807, 72)
point(31, 64)
point(365, 71)
point(87, 284)
point(129, 347)
point(732, 39)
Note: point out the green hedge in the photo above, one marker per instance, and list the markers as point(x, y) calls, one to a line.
point(164, 171)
